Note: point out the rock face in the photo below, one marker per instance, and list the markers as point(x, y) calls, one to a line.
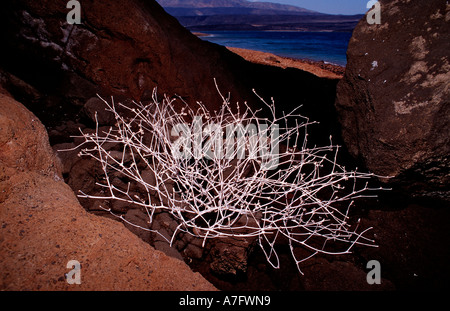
point(393, 101)
point(43, 226)
point(111, 53)
point(24, 143)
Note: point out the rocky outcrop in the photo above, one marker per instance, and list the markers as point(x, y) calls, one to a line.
point(24, 144)
point(393, 101)
point(111, 53)
point(43, 226)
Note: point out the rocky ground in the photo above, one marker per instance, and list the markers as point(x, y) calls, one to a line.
point(410, 258)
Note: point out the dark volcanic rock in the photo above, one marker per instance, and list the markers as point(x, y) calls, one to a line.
point(95, 111)
point(112, 53)
point(229, 256)
point(393, 101)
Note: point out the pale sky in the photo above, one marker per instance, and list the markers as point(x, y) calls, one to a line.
point(329, 6)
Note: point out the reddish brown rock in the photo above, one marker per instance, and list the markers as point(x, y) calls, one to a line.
point(43, 226)
point(125, 55)
point(24, 142)
point(393, 101)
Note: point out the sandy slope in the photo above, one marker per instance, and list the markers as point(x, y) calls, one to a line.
point(319, 69)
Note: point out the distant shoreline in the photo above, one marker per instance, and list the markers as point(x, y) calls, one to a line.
point(200, 34)
point(318, 68)
point(321, 69)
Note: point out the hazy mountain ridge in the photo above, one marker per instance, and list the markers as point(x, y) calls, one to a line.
point(236, 4)
point(206, 15)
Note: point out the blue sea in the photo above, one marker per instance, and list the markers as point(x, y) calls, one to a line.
point(330, 47)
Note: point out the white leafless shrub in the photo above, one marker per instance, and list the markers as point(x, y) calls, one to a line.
point(262, 182)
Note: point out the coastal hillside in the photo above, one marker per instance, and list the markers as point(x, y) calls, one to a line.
point(246, 15)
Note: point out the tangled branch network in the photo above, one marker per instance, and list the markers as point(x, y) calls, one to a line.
point(232, 174)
